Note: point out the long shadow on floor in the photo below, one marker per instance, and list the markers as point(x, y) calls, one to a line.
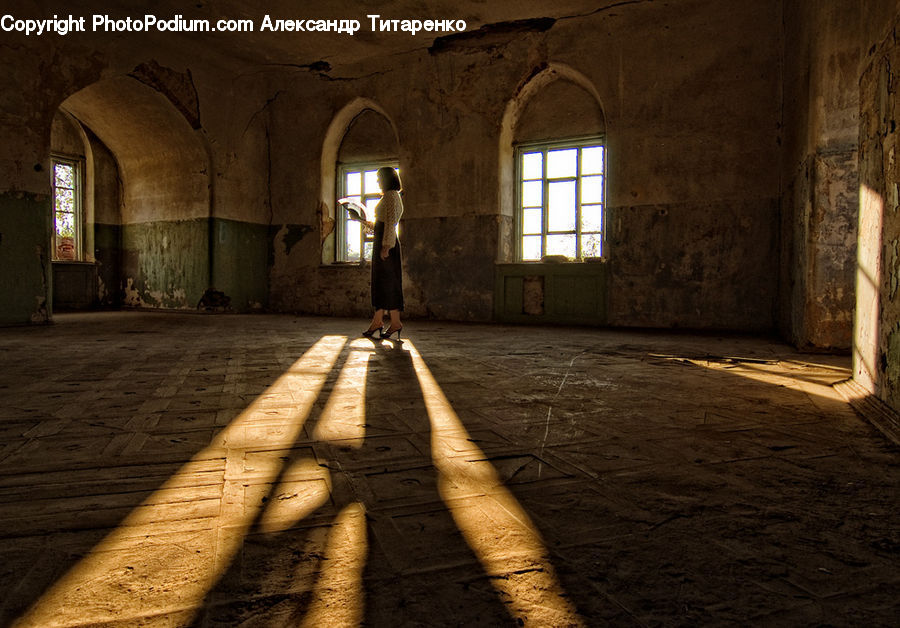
point(402, 562)
point(84, 466)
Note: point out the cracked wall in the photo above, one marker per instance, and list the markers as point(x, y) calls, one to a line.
point(224, 188)
point(820, 204)
point(692, 128)
point(877, 342)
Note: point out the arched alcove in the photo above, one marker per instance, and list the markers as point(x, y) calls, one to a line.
point(369, 137)
point(164, 198)
point(556, 118)
point(556, 102)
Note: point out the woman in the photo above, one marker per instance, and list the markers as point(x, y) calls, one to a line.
point(387, 276)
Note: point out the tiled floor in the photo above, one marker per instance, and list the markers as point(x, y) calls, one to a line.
point(176, 470)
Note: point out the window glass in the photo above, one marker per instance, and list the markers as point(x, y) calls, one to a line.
point(562, 199)
point(67, 210)
point(531, 248)
point(532, 165)
point(532, 194)
point(561, 163)
point(532, 220)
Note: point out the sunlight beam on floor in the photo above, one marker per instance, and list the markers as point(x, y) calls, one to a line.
point(344, 417)
point(169, 561)
point(494, 524)
point(337, 597)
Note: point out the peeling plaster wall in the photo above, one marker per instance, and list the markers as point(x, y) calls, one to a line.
point(877, 340)
point(712, 222)
point(25, 258)
point(28, 103)
point(823, 48)
point(179, 161)
point(692, 125)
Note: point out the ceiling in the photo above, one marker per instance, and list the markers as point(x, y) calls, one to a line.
point(334, 49)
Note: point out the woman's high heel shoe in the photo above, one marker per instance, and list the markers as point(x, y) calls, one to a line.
point(390, 332)
point(370, 333)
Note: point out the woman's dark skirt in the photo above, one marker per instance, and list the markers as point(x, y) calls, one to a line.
point(387, 274)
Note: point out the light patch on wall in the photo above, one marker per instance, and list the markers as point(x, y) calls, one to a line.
point(868, 288)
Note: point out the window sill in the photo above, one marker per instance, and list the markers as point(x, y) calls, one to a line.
point(346, 264)
point(560, 262)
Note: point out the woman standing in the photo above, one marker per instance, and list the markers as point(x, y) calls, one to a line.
point(387, 275)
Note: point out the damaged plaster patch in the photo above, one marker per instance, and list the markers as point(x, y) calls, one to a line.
point(293, 234)
point(490, 35)
point(177, 87)
point(132, 296)
point(174, 299)
point(890, 362)
point(894, 265)
point(40, 314)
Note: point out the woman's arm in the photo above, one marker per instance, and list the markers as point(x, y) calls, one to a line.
point(392, 206)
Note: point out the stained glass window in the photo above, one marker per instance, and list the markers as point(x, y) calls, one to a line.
point(561, 199)
point(66, 209)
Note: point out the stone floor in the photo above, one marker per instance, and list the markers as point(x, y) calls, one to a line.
point(218, 470)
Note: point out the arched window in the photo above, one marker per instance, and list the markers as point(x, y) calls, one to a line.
point(368, 144)
point(68, 229)
point(558, 134)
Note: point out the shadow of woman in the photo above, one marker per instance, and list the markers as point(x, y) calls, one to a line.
point(354, 529)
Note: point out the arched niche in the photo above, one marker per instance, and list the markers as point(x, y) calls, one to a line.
point(557, 102)
point(561, 109)
point(360, 131)
point(160, 227)
point(68, 140)
point(370, 137)
point(163, 162)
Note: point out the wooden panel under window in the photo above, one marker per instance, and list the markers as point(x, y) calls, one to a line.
point(552, 293)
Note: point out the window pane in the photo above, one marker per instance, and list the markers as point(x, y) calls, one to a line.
point(531, 248)
point(561, 163)
point(371, 181)
point(65, 200)
point(592, 245)
point(371, 203)
point(592, 218)
point(353, 240)
point(592, 190)
point(64, 175)
point(532, 220)
point(65, 224)
point(353, 184)
point(592, 160)
point(532, 165)
point(561, 212)
point(561, 245)
point(368, 249)
point(532, 194)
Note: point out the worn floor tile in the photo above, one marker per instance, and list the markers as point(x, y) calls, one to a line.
point(218, 470)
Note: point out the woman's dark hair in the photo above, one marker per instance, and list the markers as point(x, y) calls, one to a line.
point(390, 177)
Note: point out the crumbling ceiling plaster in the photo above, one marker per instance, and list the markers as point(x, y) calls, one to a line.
point(316, 51)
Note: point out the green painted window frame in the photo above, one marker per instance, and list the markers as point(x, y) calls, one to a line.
point(579, 233)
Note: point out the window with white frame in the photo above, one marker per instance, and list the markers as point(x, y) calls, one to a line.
point(561, 199)
point(67, 218)
point(359, 183)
